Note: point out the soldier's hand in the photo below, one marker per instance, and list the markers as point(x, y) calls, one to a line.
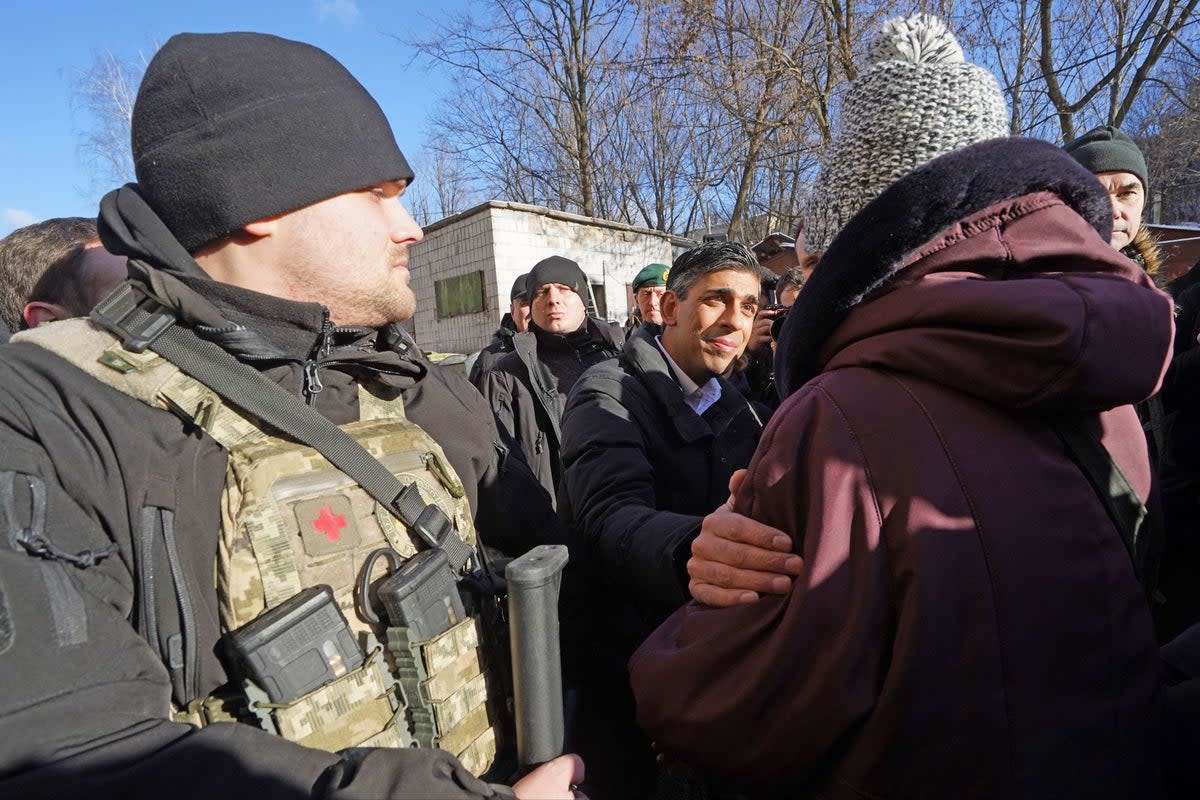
point(735, 559)
point(553, 780)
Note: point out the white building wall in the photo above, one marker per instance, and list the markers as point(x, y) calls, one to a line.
point(463, 246)
point(506, 240)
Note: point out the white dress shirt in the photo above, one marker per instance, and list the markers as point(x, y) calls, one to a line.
point(698, 398)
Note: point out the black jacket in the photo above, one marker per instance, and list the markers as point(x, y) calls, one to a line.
point(640, 471)
point(84, 701)
point(524, 394)
point(501, 343)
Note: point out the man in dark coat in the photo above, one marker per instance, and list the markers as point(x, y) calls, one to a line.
point(267, 219)
point(528, 388)
point(514, 321)
point(650, 441)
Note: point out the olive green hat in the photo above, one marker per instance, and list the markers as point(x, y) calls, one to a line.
point(651, 275)
point(1108, 149)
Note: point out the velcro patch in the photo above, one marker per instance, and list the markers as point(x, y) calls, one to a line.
point(327, 525)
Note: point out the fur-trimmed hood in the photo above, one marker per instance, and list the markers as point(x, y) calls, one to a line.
point(987, 269)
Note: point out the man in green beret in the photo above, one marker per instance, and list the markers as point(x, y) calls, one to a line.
point(648, 287)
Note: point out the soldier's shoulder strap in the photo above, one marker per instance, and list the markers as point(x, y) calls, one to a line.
point(145, 376)
point(100, 354)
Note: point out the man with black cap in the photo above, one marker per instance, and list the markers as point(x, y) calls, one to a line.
point(528, 387)
point(514, 321)
point(268, 253)
point(1119, 165)
point(650, 441)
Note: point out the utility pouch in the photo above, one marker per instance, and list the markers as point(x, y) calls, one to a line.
point(421, 594)
point(296, 647)
point(362, 708)
point(444, 678)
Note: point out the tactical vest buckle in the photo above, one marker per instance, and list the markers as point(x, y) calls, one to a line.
point(133, 317)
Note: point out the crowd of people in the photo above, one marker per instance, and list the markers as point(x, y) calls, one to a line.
point(912, 518)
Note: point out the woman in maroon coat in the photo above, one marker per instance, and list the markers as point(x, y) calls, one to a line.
point(967, 622)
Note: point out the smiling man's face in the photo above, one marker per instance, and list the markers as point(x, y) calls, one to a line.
point(708, 328)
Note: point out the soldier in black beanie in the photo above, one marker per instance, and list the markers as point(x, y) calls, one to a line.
point(265, 228)
point(528, 387)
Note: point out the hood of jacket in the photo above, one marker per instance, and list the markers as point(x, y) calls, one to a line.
point(987, 270)
point(255, 327)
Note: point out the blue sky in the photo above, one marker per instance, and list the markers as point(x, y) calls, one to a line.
point(44, 45)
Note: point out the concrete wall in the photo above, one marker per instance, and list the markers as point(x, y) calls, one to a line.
point(507, 239)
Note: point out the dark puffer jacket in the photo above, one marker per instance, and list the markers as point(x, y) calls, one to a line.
point(526, 395)
point(967, 622)
point(84, 704)
point(493, 351)
point(641, 469)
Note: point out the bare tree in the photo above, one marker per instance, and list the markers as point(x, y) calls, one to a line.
point(105, 92)
point(1167, 127)
point(542, 74)
point(1090, 58)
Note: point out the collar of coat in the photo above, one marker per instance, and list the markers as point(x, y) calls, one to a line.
point(600, 331)
point(879, 239)
point(642, 358)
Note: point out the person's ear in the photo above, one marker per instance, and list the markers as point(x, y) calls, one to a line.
point(262, 228)
point(38, 313)
point(668, 306)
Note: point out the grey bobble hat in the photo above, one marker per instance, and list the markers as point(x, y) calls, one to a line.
point(916, 99)
point(230, 128)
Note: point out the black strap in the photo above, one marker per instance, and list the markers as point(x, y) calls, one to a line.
point(267, 401)
point(1122, 503)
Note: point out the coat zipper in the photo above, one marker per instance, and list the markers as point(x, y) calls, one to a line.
point(149, 615)
point(189, 661)
point(312, 366)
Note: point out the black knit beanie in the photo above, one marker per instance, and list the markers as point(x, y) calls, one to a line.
point(556, 269)
point(230, 128)
point(1108, 149)
point(518, 287)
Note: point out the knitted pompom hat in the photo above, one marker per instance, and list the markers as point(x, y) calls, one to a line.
point(916, 99)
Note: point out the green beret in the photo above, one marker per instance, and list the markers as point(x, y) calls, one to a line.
point(651, 275)
point(1108, 149)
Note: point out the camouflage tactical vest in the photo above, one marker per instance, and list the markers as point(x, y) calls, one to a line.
point(292, 520)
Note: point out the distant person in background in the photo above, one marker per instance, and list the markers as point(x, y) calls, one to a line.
point(528, 388)
point(649, 285)
point(788, 287)
point(1120, 166)
point(515, 321)
point(27, 252)
point(73, 285)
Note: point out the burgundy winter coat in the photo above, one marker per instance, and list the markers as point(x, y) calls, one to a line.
point(968, 623)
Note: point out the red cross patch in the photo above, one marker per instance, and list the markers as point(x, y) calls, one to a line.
point(326, 525)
